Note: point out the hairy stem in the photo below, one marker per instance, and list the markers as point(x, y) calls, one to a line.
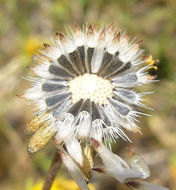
point(55, 165)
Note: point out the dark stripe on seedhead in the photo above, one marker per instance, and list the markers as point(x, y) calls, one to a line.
point(113, 66)
point(95, 112)
point(60, 72)
point(76, 108)
point(124, 68)
point(55, 100)
point(128, 95)
point(105, 117)
point(67, 65)
point(87, 106)
point(120, 107)
point(49, 87)
point(90, 52)
point(75, 59)
point(81, 51)
point(105, 62)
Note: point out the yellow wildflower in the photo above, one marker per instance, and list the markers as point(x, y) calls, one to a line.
point(152, 62)
point(32, 45)
point(62, 184)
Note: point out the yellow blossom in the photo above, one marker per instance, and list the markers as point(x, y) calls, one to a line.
point(32, 44)
point(152, 62)
point(61, 184)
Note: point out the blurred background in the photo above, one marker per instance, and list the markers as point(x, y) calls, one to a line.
point(26, 24)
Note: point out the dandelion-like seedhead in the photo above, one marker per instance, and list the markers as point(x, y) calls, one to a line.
point(84, 96)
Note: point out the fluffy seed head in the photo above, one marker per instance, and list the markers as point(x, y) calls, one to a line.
point(84, 86)
point(84, 93)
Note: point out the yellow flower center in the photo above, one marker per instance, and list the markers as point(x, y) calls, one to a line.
point(90, 86)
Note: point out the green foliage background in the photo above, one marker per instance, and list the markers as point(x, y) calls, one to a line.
point(26, 24)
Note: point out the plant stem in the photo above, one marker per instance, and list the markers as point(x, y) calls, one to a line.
point(55, 165)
